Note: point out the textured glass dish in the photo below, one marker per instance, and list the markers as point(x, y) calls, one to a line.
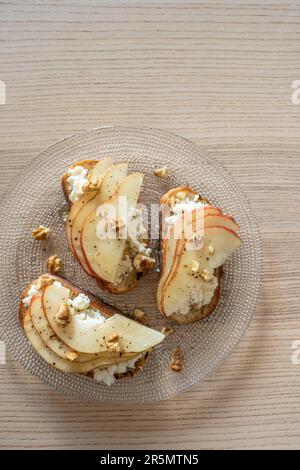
point(36, 198)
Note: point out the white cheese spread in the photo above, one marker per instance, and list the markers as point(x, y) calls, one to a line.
point(107, 374)
point(81, 307)
point(198, 298)
point(182, 207)
point(77, 180)
point(31, 293)
point(125, 267)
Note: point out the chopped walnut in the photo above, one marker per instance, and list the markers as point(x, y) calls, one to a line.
point(180, 195)
point(63, 316)
point(176, 360)
point(166, 330)
point(195, 266)
point(41, 233)
point(44, 281)
point(113, 343)
point(93, 183)
point(140, 316)
point(143, 263)
point(140, 363)
point(162, 172)
point(54, 264)
point(71, 355)
point(206, 275)
point(211, 250)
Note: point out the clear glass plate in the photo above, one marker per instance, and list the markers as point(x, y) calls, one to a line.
point(36, 198)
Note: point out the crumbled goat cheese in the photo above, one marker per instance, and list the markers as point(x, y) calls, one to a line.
point(107, 374)
point(199, 298)
point(31, 293)
point(77, 180)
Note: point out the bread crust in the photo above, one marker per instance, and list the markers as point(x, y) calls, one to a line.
point(88, 164)
point(194, 314)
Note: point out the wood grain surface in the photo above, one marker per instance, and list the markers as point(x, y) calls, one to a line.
point(219, 73)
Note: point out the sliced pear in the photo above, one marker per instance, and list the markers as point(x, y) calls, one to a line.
point(103, 255)
point(220, 220)
point(183, 280)
point(211, 210)
point(57, 361)
point(111, 181)
point(52, 341)
point(90, 336)
point(97, 171)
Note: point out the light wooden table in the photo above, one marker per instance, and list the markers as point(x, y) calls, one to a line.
point(219, 73)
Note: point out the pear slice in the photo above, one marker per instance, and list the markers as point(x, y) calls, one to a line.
point(103, 255)
point(183, 281)
point(211, 210)
point(111, 181)
point(220, 220)
point(60, 363)
point(91, 335)
point(97, 171)
point(52, 341)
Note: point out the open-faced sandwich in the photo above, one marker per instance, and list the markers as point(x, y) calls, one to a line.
point(78, 334)
point(105, 235)
point(196, 240)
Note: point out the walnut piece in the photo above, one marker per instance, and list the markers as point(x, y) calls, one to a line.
point(93, 184)
point(206, 275)
point(71, 355)
point(63, 315)
point(143, 263)
point(140, 363)
point(54, 264)
point(176, 360)
point(166, 330)
point(195, 266)
point(44, 281)
point(162, 172)
point(140, 316)
point(41, 233)
point(113, 343)
point(181, 195)
point(211, 250)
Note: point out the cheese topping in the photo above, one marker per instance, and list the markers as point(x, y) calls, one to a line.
point(81, 307)
point(197, 299)
point(182, 207)
point(77, 180)
point(107, 374)
point(31, 293)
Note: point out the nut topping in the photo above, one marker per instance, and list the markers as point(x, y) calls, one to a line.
point(41, 233)
point(54, 264)
point(140, 316)
point(176, 360)
point(71, 355)
point(143, 263)
point(162, 172)
point(195, 266)
point(211, 250)
point(166, 330)
point(63, 316)
point(44, 281)
point(92, 185)
point(113, 343)
point(206, 275)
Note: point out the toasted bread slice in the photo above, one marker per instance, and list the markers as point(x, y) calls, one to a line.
point(169, 258)
point(48, 345)
point(80, 211)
